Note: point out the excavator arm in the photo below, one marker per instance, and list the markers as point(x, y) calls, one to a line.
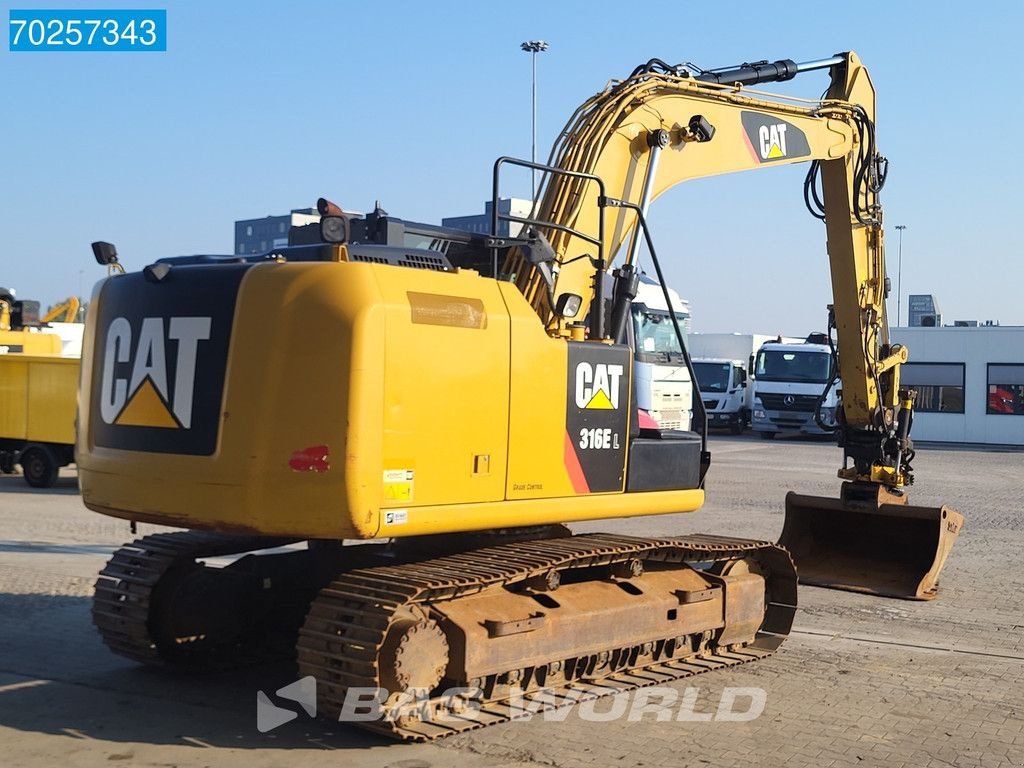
point(665, 125)
point(65, 312)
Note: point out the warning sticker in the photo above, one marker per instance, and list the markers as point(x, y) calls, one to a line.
point(396, 517)
point(398, 485)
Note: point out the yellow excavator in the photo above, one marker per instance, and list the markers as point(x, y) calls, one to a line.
point(21, 330)
point(65, 312)
point(425, 409)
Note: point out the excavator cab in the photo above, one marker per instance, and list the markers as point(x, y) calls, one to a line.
point(869, 540)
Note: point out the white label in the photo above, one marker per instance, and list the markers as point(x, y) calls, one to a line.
point(396, 517)
point(398, 475)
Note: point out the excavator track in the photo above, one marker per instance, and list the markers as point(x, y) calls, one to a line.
point(349, 637)
point(132, 591)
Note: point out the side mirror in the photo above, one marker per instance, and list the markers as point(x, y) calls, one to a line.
point(105, 253)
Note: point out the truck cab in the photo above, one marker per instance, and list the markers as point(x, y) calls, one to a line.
point(663, 386)
point(788, 383)
point(726, 394)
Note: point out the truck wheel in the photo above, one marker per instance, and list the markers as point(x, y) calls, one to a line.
point(767, 435)
point(39, 467)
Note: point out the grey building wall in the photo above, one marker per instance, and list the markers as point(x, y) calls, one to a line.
point(481, 222)
point(260, 235)
point(970, 383)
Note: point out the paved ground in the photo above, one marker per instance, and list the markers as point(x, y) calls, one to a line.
point(861, 682)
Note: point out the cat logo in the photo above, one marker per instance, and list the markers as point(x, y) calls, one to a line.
point(597, 386)
point(770, 139)
point(146, 396)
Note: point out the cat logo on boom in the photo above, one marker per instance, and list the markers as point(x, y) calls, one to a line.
point(149, 372)
point(770, 139)
point(597, 386)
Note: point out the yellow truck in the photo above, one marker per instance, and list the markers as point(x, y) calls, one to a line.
point(38, 396)
point(39, 365)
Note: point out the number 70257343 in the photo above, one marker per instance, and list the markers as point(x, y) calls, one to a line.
point(115, 30)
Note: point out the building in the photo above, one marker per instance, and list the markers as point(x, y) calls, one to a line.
point(260, 235)
point(923, 311)
point(481, 222)
point(969, 380)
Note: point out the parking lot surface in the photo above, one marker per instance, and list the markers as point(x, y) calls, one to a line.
point(862, 681)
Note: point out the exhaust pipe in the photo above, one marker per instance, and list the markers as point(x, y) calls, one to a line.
point(869, 540)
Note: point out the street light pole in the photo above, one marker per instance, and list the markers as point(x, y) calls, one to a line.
point(534, 47)
point(899, 273)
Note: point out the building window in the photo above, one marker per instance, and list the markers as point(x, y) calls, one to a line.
point(1005, 389)
point(248, 231)
point(940, 386)
point(241, 247)
point(280, 227)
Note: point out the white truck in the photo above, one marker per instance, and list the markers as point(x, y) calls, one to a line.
point(788, 383)
point(663, 386)
point(722, 363)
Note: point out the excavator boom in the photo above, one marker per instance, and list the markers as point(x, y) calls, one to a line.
point(665, 125)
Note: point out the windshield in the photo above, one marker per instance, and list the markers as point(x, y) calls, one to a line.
point(655, 333)
point(786, 365)
point(712, 377)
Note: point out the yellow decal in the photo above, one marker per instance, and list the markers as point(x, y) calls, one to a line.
point(453, 311)
point(398, 492)
point(600, 402)
point(147, 409)
point(398, 485)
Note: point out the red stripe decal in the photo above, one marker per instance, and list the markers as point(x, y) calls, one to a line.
point(572, 466)
point(753, 152)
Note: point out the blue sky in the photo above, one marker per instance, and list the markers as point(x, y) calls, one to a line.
point(259, 108)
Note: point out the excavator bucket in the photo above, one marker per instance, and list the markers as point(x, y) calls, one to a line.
point(869, 540)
